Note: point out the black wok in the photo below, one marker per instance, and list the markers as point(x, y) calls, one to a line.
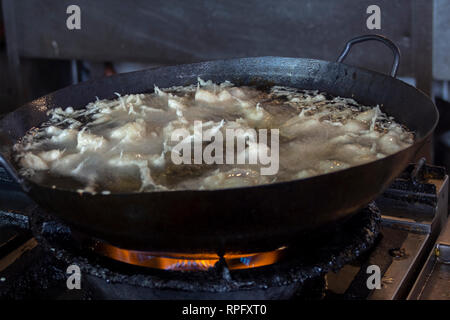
point(240, 219)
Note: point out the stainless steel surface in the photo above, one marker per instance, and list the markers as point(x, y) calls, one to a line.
point(424, 224)
point(433, 282)
point(411, 223)
point(438, 284)
point(396, 278)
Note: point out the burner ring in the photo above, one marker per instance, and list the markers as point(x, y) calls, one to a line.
point(350, 240)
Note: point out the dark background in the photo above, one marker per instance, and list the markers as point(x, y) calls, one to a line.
point(44, 55)
point(39, 54)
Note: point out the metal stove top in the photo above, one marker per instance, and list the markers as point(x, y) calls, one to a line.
point(411, 263)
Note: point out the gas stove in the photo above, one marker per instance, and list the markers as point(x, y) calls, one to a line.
point(393, 237)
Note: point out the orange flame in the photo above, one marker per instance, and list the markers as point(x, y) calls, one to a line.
point(188, 261)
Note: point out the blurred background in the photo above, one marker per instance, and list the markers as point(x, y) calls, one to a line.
point(40, 54)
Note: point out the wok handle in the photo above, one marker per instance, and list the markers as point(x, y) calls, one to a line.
point(13, 173)
point(386, 41)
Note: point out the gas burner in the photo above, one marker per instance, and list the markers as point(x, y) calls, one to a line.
point(36, 251)
point(280, 274)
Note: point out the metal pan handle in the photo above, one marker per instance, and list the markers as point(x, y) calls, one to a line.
point(13, 173)
point(386, 41)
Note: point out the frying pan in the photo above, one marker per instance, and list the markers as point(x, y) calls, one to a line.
point(238, 219)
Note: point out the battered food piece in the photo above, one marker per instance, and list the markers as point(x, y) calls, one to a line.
point(32, 161)
point(125, 144)
point(130, 132)
point(89, 142)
